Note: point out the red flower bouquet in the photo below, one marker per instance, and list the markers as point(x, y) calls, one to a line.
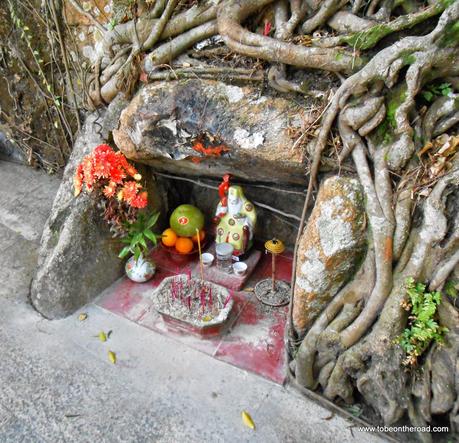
point(111, 178)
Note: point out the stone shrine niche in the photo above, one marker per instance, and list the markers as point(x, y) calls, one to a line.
point(196, 131)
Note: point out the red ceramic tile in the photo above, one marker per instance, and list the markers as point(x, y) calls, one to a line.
point(256, 341)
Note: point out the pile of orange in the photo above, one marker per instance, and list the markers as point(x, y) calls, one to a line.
point(183, 245)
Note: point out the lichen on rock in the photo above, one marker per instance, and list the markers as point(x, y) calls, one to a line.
point(162, 122)
point(330, 248)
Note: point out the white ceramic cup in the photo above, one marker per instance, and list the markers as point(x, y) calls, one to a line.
point(207, 259)
point(240, 268)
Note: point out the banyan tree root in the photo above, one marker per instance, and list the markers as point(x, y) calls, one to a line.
point(386, 54)
point(364, 356)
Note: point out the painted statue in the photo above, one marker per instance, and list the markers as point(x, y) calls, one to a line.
point(235, 217)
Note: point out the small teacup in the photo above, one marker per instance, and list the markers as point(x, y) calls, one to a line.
point(239, 268)
point(207, 259)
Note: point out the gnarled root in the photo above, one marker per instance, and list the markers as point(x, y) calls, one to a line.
point(352, 345)
point(374, 363)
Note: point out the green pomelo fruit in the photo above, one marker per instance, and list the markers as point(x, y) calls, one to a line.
point(186, 219)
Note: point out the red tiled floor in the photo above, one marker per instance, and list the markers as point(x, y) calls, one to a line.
point(254, 340)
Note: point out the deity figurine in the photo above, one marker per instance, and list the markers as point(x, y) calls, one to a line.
point(235, 217)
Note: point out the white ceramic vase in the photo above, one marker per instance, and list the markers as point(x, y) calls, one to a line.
point(140, 270)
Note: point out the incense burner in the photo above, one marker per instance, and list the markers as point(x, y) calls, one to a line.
point(191, 305)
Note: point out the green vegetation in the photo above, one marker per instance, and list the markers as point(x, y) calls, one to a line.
point(408, 59)
point(451, 289)
point(430, 92)
point(384, 133)
point(368, 38)
point(422, 325)
point(393, 103)
point(138, 235)
point(450, 38)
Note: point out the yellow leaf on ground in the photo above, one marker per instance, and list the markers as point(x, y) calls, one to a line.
point(112, 357)
point(83, 316)
point(247, 420)
point(102, 336)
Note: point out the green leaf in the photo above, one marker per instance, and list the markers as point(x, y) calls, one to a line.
point(112, 24)
point(445, 89)
point(427, 95)
point(135, 240)
point(124, 252)
point(137, 252)
point(150, 235)
point(153, 219)
point(143, 242)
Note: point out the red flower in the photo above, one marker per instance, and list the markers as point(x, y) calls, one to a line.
point(117, 175)
point(140, 201)
point(121, 159)
point(88, 172)
point(130, 189)
point(110, 190)
point(103, 166)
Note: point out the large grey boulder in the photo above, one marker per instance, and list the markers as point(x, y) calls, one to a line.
point(330, 248)
point(162, 121)
point(77, 257)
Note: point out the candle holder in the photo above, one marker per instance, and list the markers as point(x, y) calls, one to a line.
point(270, 291)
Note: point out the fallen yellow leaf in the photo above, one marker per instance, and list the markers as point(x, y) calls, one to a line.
point(102, 336)
point(112, 357)
point(83, 316)
point(247, 420)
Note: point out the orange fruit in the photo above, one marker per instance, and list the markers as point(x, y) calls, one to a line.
point(169, 237)
point(184, 245)
point(202, 236)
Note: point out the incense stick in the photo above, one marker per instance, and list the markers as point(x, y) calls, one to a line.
point(200, 254)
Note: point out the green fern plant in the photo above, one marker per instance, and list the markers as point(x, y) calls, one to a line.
point(423, 327)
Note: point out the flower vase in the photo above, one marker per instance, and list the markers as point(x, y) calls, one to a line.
point(140, 270)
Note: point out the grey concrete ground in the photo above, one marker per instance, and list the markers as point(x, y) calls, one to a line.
point(57, 384)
